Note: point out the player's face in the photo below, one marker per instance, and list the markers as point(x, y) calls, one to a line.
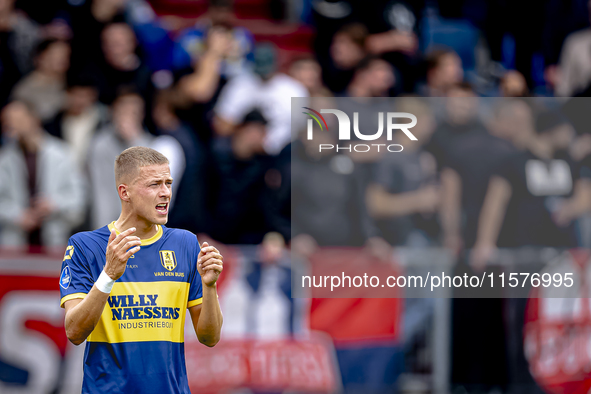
point(150, 193)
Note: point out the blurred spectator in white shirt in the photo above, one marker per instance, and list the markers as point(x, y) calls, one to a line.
point(574, 73)
point(41, 191)
point(269, 90)
point(127, 130)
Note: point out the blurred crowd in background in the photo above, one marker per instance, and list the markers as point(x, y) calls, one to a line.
point(80, 81)
point(83, 80)
point(209, 84)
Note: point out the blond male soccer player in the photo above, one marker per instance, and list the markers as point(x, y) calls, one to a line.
point(127, 285)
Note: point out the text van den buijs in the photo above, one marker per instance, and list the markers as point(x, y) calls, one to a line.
point(143, 306)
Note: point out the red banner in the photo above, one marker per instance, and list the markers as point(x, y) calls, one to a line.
point(557, 333)
point(293, 365)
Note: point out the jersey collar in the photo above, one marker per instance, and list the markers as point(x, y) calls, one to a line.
point(148, 241)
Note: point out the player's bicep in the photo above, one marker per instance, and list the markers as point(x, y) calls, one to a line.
point(195, 312)
point(71, 304)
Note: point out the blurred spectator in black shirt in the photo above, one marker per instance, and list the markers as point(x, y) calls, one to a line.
point(82, 117)
point(278, 199)
point(467, 155)
point(45, 87)
point(344, 54)
point(237, 186)
point(403, 196)
point(187, 209)
point(122, 65)
point(371, 84)
point(201, 88)
point(390, 27)
point(328, 207)
point(535, 196)
point(88, 19)
point(393, 36)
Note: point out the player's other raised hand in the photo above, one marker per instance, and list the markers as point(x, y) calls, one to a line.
point(210, 264)
point(119, 250)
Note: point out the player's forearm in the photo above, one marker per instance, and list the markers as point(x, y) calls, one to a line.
point(209, 326)
point(83, 318)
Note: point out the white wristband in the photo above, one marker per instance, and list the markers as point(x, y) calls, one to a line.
point(104, 283)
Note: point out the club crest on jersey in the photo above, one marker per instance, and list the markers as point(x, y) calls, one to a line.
point(65, 278)
point(168, 259)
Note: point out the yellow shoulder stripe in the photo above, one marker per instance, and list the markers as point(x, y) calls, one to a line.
point(71, 297)
point(198, 301)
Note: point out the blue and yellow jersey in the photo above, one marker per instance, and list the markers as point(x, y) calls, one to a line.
point(137, 345)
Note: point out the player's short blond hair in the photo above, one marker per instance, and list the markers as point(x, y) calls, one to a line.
point(129, 162)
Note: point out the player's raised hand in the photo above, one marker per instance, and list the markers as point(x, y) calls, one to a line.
point(210, 264)
point(119, 249)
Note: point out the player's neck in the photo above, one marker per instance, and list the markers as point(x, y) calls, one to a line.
point(144, 229)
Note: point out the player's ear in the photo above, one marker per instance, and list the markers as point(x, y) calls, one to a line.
point(123, 192)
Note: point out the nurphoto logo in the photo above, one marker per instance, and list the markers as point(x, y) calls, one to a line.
point(345, 129)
